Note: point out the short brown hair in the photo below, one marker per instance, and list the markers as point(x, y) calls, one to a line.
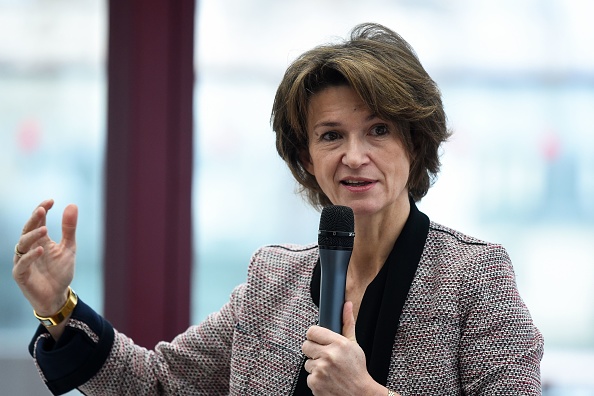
point(385, 72)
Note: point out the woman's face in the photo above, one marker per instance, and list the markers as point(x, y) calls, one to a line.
point(357, 158)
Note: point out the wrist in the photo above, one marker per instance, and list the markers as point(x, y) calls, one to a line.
point(62, 314)
point(46, 306)
point(376, 389)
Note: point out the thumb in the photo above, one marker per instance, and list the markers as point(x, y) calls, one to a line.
point(69, 220)
point(348, 320)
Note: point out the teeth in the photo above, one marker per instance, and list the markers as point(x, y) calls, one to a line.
point(354, 183)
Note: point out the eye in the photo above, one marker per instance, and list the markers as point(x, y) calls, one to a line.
point(380, 130)
point(329, 136)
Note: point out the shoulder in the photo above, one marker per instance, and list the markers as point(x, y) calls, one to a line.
point(278, 285)
point(283, 262)
point(455, 245)
point(481, 267)
point(284, 255)
point(286, 250)
point(453, 255)
point(446, 235)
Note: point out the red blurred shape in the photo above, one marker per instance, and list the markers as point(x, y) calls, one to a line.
point(551, 147)
point(29, 135)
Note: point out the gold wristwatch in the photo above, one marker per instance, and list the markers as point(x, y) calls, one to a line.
point(59, 316)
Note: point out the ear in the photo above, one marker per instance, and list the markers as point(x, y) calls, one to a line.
point(305, 160)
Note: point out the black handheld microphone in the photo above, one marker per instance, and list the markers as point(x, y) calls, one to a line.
point(335, 241)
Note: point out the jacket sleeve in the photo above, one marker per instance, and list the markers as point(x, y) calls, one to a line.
point(195, 362)
point(500, 348)
point(79, 353)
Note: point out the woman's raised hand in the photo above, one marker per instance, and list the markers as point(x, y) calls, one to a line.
point(44, 269)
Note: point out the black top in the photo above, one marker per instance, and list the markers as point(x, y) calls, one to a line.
point(384, 298)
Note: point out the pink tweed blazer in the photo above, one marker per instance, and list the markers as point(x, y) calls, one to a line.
point(464, 330)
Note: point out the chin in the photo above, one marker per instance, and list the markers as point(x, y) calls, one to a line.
point(362, 209)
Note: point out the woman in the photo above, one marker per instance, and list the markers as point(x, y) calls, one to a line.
point(429, 310)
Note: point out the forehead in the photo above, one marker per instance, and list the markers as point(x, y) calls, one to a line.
point(335, 101)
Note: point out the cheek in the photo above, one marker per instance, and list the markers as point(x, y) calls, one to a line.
point(401, 172)
point(321, 162)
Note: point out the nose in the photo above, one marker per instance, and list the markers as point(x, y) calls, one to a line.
point(356, 153)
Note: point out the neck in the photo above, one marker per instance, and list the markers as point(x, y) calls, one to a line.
point(374, 240)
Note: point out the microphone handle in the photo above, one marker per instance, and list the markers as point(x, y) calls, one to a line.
point(334, 265)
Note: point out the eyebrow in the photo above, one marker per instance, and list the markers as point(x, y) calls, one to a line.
point(326, 124)
point(332, 124)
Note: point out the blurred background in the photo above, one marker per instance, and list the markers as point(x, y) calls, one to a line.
point(517, 79)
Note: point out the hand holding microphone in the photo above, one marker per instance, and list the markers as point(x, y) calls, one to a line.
point(336, 363)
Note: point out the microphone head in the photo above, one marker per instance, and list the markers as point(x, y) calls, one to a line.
point(337, 228)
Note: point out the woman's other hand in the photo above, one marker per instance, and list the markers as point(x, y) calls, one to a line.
point(45, 269)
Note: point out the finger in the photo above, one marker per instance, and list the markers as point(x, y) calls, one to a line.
point(309, 349)
point(307, 365)
point(69, 221)
point(38, 216)
point(46, 205)
point(28, 240)
point(348, 320)
point(22, 264)
point(321, 335)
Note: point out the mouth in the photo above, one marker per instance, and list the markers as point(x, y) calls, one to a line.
point(355, 183)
